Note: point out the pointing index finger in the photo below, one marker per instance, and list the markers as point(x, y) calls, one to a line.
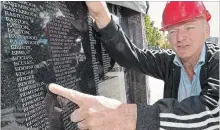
point(74, 96)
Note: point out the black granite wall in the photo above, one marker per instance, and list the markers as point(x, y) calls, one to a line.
point(42, 43)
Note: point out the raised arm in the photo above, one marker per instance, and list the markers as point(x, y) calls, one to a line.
point(122, 50)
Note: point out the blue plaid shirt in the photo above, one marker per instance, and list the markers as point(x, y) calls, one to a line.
point(187, 88)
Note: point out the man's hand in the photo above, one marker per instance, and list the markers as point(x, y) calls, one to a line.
point(99, 11)
point(98, 112)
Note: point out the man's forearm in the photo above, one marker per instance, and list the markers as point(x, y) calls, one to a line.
point(103, 20)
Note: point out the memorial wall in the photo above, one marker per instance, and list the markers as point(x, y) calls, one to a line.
point(54, 42)
point(42, 43)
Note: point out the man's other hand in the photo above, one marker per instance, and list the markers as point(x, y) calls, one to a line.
point(98, 112)
point(99, 11)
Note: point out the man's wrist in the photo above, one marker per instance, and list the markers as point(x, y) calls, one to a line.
point(130, 115)
point(103, 20)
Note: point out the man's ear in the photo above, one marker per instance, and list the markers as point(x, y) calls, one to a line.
point(207, 32)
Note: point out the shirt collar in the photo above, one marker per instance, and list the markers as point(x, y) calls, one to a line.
point(201, 61)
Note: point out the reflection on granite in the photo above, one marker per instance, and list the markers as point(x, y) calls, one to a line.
point(46, 42)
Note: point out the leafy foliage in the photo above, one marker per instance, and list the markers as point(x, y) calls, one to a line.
point(153, 36)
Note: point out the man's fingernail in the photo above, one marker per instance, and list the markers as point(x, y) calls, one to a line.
point(55, 88)
point(53, 85)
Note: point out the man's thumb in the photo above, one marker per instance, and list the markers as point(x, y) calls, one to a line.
point(75, 96)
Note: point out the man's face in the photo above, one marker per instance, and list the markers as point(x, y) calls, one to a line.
point(187, 39)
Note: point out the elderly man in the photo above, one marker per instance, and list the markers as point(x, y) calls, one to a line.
point(190, 73)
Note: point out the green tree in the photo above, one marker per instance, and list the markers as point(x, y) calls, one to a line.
point(148, 28)
point(153, 35)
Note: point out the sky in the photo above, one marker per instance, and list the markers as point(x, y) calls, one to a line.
point(156, 10)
